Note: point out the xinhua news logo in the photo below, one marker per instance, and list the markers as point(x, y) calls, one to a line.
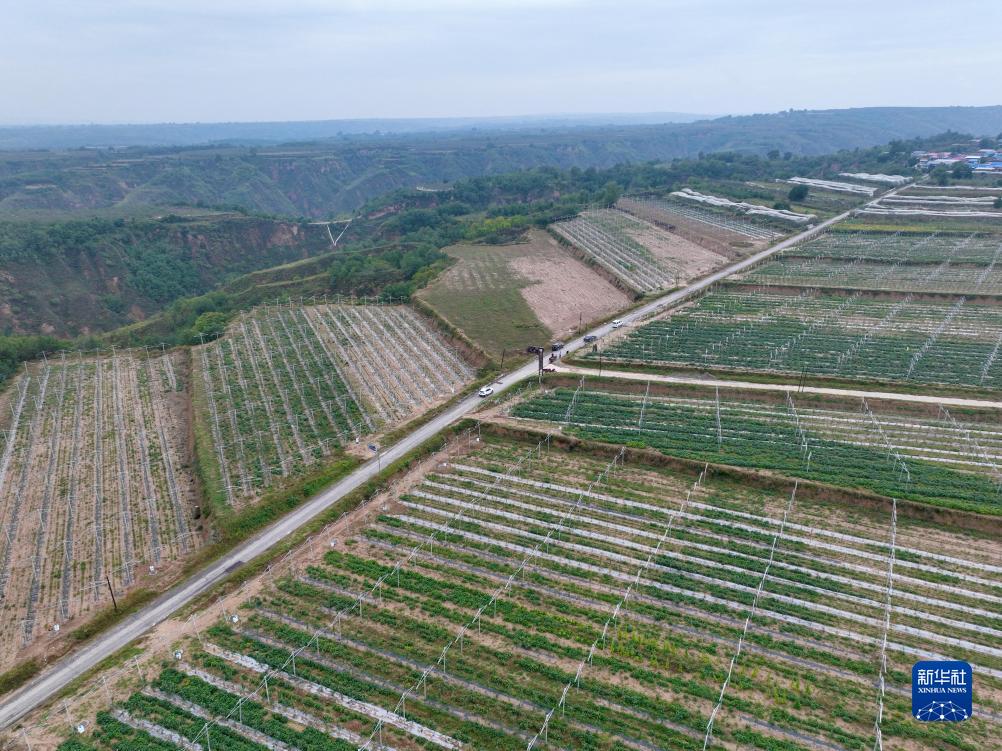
point(942, 691)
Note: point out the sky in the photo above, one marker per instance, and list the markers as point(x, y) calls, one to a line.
point(140, 61)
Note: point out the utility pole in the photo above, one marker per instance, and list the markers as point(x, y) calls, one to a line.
point(112, 591)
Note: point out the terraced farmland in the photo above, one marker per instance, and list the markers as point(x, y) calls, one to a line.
point(910, 247)
point(522, 598)
point(838, 186)
point(611, 238)
point(979, 210)
point(940, 460)
point(953, 342)
point(943, 278)
point(93, 487)
point(828, 202)
point(664, 211)
point(287, 386)
point(957, 264)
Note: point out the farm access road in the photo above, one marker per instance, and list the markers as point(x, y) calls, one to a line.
point(793, 388)
point(75, 664)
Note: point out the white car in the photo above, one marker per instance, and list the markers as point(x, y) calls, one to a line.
point(485, 391)
point(617, 323)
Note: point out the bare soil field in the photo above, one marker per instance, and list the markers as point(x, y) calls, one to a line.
point(642, 256)
point(692, 258)
point(563, 291)
point(715, 239)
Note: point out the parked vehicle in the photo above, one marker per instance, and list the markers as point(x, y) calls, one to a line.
point(533, 350)
point(556, 346)
point(590, 338)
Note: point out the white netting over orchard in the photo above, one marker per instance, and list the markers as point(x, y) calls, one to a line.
point(752, 209)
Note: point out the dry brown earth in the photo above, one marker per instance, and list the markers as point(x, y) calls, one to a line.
point(562, 290)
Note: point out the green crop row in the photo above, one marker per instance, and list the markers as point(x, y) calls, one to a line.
point(760, 444)
point(826, 335)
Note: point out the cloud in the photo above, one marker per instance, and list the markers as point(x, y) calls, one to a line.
point(154, 60)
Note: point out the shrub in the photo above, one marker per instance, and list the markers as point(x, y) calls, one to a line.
point(798, 193)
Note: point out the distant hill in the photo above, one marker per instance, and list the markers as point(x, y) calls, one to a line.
point(270, 133)
point(91, 239)
point(66, 273)
point(326, 177)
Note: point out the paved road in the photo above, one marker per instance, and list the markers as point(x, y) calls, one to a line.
point(72, 666)
point(793, 388)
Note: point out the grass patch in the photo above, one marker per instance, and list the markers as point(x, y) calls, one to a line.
point(108, 617)
point(18, 675)
point(481, 297)
point(236, 526)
